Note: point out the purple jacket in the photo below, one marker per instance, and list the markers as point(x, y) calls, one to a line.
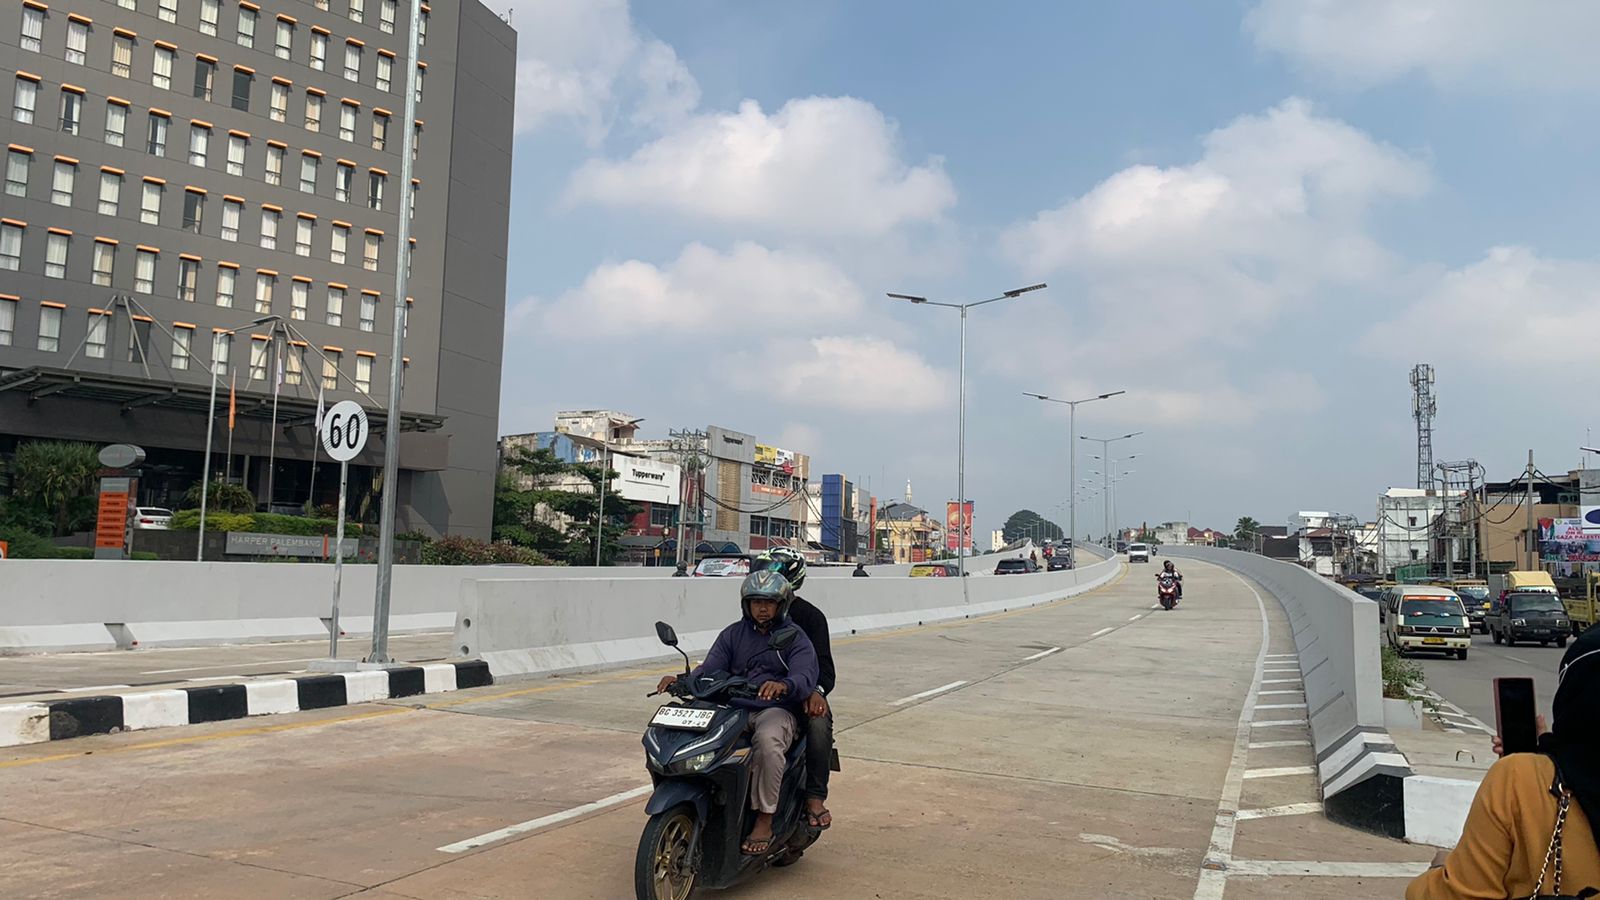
point(742, 650)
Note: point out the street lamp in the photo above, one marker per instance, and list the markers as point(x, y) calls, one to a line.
point(1105, 449)
point(1072, 444)
point(211, 418)
point(961, 430)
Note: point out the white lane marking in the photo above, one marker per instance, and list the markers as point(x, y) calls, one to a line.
point(1213, 875)
point(1270, 693)
point(1274, 745)
point(238, 665)
point(1281, 772)
point(938, 690)
point(1041, 654)
point(1292, 809)
point(1287, 867)
point(1102, 631)
point(1277, 723)
point(97, 687)
point(1281, 655)
point(1281, 681)
point(1283, 706)
point(545, 821)
point(1137, 618)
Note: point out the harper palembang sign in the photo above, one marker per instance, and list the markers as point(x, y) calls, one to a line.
point(250, 543)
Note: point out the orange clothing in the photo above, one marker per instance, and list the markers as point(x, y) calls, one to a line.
point(1506, 836)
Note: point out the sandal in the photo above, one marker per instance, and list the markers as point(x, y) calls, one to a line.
point(756, 846)
point(814, 819)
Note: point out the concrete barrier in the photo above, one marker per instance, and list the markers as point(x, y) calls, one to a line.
point(1336, 638)
point(526, 626)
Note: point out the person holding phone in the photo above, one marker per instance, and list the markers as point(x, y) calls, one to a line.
point(1507, 847)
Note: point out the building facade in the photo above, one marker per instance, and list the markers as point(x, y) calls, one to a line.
point(198, 186)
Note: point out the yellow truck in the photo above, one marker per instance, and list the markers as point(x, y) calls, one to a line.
point(1582, 610)
point(1521, 582)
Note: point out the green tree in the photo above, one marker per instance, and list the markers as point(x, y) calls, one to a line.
point(57, 478)
point(221, 497)
point(1025, 523)
point(533, 517)
point(1246, 529)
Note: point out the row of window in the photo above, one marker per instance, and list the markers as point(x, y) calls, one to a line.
point(141, 349)
point(761, 526)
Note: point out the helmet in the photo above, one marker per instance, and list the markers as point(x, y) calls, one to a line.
point(766, 584)
point(786, 562)
point(1167, 565)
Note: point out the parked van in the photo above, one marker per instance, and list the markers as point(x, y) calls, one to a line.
point(1426, 617)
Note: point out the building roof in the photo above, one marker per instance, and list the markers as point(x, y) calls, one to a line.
point(901, 511)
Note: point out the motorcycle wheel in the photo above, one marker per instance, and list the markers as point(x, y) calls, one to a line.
point(662, 870)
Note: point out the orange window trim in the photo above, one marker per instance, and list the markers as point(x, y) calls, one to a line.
point(195, 190)
point(316, 92)
point(233, 198)
point(279, 79)
point(388, 53)
point(245, 69)
point(61, 231)
point(271, 207)
point(70, 160)
point(205, 57)
point(123, 32)
point(376, 231)
point(234, 132)
point(285, 17)
point(148, 248)
point(306, 215)
point(113, 170)
point(380, 171)
point(35, 4)
point(78, 17)
point(119, 101)
point(260, 337)
point(340, 286)
point(272, 272)
point(105, 240)
point(17, 222)
point(371, 293)
point(367, 353)
point(227, 265)
point(301, 278)
point(160, 112)
point(189, 256)
point(279, 144)
point(380, 111)
point(19, 148)
point(320, 30)
point(51, 304)
point(201, 122)
point(73, 89)
point(28, 76)
point(188, 325)
point(215, 331)
point(341, 224)
point(328, 348)
point(139, 318)
point(298, 344)
point(154, 180)
point(314, 153)
point(166, 45)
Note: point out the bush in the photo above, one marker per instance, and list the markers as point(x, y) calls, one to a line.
point(416, 536)
point(221, 497)
point(465, 551)
point(1401, 676)
point(273, 523)
point(189, 520)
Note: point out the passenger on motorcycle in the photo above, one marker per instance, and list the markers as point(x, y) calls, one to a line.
point(819, 712)
point(1167, 568)
point(785, 679)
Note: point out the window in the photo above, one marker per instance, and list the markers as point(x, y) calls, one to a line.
point(221, 352)
point(23, 100)
point(105, 256)
point(167, 10)
point(352, 62)
point(32, 29)
point(77, 41)
point(242, 79)
point(284, 42)
point(380, 131)
point(227, 277)
point(156, 138)
point(313, 111)
point(94, 344)
point(422, 28)
point(357, 9)
point(17, 163)
point(319, 50)
point(330, 369)
point(258, 360)
point(194, 208)
point(385, 70)
point(210, 12)
point(144, 271)
point(1413, 521)
point(299, 295)
point(369, 311)
point(236, 147)
point(308, 173)
point(422, 70)
point(180, 347)
point(122, 55)
point(232, 213)
point(386, 13)
point(71, 111)
point(274, 171)
point(363, 372)
point(49, 328)
point(150, 204)
point(279, 103)
point(139, 339)
point(341, 241)
point(335, 305)
point(116, 123)
point(375, 185)
point(161, 67)
point(269, 228)
point(302, 236)
point(369, 252)
point(416, 188)
point(342, 179)
point(347, 121)
point(293, 365)
point(55, 255)
point(199, 144)
point(66, 174)
point(205, 77)
point(110, 192)
point(188, 277)
point(10, 246)
point(265, 282)
point(247, 26)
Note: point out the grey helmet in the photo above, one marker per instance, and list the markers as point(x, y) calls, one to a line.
point(766, 584)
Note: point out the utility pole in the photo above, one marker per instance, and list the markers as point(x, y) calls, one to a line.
point(688, 445)
point(1528, 542)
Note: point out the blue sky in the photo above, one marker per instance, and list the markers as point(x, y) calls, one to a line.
point(1254, 216)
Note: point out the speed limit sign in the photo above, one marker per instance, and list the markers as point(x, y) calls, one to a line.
point(344, 430)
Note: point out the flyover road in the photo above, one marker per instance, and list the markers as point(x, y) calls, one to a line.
point(1094, 747)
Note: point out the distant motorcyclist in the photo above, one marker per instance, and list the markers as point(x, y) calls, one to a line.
point(1167, 568)
point(819, 710)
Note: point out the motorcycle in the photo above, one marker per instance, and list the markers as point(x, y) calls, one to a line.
point(698, 755)
point(1167, 590)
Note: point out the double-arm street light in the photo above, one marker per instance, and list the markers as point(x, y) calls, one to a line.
point(1072, 443)
point(1105, 450)
point(961, 430)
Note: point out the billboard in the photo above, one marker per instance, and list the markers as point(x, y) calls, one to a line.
point(776, 457)
point(646, 479)
point(1564, 541)
point(955, 536)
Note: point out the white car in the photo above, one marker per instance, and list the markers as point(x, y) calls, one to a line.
point(151, 518)
point(1138, 553)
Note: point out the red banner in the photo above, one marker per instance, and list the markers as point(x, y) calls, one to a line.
point(956, 533)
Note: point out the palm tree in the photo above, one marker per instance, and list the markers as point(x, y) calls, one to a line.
point(52, 474)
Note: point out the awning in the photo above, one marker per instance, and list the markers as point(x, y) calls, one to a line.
point(645, 541)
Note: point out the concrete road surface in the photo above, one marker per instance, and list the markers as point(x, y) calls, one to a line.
point(1092, 748)
point(1468, 684)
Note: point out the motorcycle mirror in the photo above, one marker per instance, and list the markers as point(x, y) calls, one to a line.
point(781, 639)
point(667, 635)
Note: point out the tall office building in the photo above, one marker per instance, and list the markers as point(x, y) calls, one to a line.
point(214, 185)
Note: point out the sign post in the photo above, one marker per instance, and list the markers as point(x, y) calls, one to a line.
point(343, 433)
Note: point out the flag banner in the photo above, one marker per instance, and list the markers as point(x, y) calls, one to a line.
point(233, 404)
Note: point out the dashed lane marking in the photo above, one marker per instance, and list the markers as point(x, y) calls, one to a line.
point(546, 821)
point(1313, 868)
point(1280, 772)
point(929, 693)
point(1103, 631)
point(1278, 723)
point(1275, 745)
point(1041, 654)
point(1292, 809)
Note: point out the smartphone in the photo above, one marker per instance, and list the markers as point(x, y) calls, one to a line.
point(1515, 713)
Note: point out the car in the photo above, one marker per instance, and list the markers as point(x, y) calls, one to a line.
point(1476, 599)
point(152, 518)
point(1015, 567)
point(723, 565)
point(1138, 553)
point(1529, 616)
point(1059, 562)
point(1426, 617)
point(935, 570)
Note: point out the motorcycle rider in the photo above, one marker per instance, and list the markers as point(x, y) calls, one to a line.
point(1167, 568)
point(742, 649)
point(819, 713)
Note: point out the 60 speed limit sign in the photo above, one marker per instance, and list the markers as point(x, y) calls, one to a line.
point(344, 430)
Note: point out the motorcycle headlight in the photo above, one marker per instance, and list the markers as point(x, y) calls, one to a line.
point(1519, 621)
point(697, 763)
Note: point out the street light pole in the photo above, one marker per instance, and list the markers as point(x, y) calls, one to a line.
point(1072, 444)
point(961, 429)
point(1105, 474)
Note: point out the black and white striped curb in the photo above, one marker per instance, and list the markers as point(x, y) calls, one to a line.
point(55, 720)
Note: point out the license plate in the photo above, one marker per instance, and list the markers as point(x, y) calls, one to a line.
point(684, 718)
point(1433, 640)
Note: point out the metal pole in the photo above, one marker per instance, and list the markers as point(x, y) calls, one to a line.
point(338, 562)
point(272, 434)
point(600, 514)
point(1072, 489)
point(961, 457)
point(391, 427)
point(1533, 561)
point(205, 467)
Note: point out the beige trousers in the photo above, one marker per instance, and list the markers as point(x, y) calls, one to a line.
point(772, 731)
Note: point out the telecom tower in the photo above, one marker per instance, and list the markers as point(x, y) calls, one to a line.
point(1422, 409)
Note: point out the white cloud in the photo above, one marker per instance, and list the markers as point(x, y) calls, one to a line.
point(1492, 43)
point(856, 374)
point(828, 165)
